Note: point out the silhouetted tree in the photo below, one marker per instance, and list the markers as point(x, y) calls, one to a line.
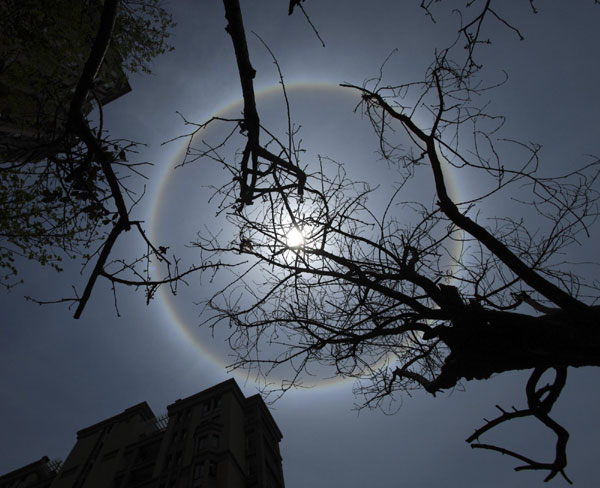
point(387, 298)
point(423, 295)
point(61, 176)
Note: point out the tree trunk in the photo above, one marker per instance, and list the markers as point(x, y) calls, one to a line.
point(483, 343)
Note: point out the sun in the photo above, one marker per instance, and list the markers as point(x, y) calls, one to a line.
point(294, 238)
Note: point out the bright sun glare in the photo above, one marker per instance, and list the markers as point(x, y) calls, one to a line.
point(295, 238)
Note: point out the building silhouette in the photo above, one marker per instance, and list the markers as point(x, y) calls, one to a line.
point(216, 439)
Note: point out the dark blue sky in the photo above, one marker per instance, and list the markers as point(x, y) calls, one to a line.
point(58, 375)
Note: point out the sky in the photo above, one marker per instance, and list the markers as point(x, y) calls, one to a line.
point(59, 375)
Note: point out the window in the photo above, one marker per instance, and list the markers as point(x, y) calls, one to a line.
point(147, 452)
point(117, 481)
point(212, 469)
point(198, 470)
point(184, 480)
point(215, 440)
point(201, 443)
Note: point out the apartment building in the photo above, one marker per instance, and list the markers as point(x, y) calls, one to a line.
point(216, 439)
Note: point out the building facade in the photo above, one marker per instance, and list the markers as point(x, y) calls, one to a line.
point(215, 439)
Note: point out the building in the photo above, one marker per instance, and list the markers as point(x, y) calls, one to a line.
point(39, 474)
point(215, 439)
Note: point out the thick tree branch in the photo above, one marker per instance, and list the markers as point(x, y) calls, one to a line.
point(521, 269)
